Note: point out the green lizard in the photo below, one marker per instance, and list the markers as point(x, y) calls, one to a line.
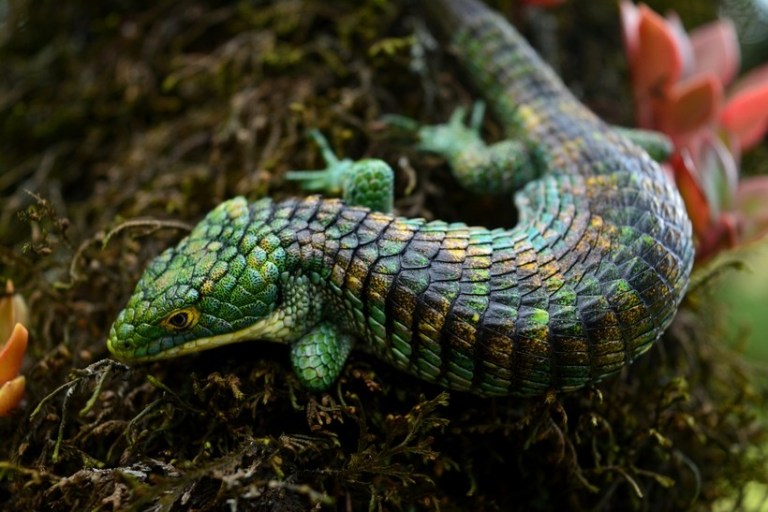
point(587, 280)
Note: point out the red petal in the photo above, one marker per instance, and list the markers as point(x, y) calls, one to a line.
point(682, 41)
point(12, 354)
point(750, 136)
point(659, 61)
point(693, 196)
point(716, 50)
point(746, 112)
point(690, 105)
point(756, 77)
point(10, 395)
point(630, 21)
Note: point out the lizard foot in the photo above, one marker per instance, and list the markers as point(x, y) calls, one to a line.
point(327, 180)
point(318, 356)
point(444, 139)
point(498, 168)
point(368, 182)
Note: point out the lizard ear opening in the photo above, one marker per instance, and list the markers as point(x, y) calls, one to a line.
point(181, 319)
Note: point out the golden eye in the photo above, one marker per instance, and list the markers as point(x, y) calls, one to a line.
point(181, 319)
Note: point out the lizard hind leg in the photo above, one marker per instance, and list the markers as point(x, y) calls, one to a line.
point(318, 356)
point(499, 168)
point(656, 144)
point(369, 182)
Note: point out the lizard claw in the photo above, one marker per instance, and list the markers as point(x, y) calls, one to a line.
point(477, 115)
point(404, 125)
point(329, 179)
point(441, 138)
point(446, 138)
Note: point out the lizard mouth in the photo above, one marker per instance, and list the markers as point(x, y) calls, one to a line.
point(155, 351)
point(271, 328)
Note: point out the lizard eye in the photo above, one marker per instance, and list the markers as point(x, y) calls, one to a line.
point(181, 319)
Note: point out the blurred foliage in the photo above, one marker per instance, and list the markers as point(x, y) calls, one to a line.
point(682, 86)
point(117, 115)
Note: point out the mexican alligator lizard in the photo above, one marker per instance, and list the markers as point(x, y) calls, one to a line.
point(587, 280)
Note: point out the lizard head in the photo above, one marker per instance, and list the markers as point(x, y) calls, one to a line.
point(223, 283)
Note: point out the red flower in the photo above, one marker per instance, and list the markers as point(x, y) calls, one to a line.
point(13, 311)
point(679, 85)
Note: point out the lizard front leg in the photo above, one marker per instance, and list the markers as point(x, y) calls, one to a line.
point(369, 182)
point(318, 356)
